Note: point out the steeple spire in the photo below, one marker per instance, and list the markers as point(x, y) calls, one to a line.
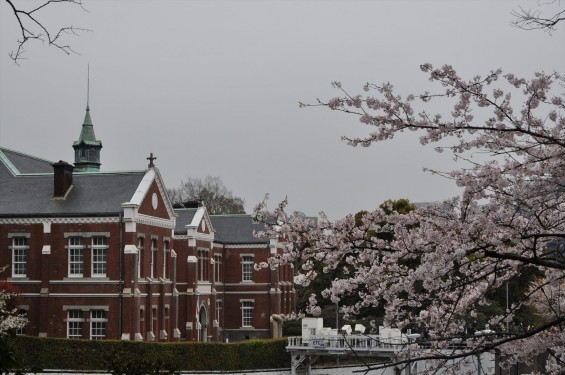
point(87, 148)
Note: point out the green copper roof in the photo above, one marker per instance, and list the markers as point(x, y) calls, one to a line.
point(87, 133)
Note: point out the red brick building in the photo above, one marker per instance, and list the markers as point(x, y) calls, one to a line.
point(103, 255)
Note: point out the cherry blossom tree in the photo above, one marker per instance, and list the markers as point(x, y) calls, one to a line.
point(442, 261)
point(10, 321)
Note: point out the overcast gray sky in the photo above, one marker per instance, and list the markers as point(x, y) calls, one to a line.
point(212, 88)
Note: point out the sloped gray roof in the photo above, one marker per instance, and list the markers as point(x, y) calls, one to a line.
point(229, 229)
point(184, 217)
point(236, 229)
point(92, 194)
point(26, 163)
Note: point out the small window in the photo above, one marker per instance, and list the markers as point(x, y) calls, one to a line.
point(98, 324)
point(219, 307)
point(247, 268)
point(140, 242)
point(76, 256)
point(21, 329)
point(99, 256)
point(19, 256)
point(203, 264)
point(74, 324)
point(165, 252)
point(218, 268)
point(153, 258)
point(247, 314)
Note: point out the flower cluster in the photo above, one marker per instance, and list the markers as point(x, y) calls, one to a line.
point(439, 263)
point(10, 320)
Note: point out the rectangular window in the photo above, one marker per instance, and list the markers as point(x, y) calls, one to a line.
point(21, 330)
point(247, 313)
point(99, 256)
point(74, 324)
point(247, 268)
point(153, 258)
point(218, 310)
point(165, 249)
point(203, 262)
point(76, 256)
point(154, 320)
point(19, 256)
point(140, 242)
point(218, 268)
point(98, 324)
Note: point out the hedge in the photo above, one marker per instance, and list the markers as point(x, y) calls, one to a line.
point(130, 357)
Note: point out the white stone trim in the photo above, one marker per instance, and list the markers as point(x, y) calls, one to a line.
point(86, 307)
point(155, 221)
point(46, 250)
point(84, 280)
point(255, 292)
point(130, 249)
point(61, 220)
point(143, 187)
point(247, 246)
point(84, 295)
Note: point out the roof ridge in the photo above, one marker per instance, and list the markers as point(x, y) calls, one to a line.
point(97, 173)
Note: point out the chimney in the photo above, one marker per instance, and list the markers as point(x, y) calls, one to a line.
point(62, 178)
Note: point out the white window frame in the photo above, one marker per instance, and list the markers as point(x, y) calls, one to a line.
point(20, 249)
point(219, 307)
point(165, 251)
point(203, 263)
point(99, 255)
point(98, 321)
point(140, 244)
point(154, 249)
point(21, 329)
point(218, 268)
point(247, 313)
point(74, 323)
point(76, 259)
point(247, 264)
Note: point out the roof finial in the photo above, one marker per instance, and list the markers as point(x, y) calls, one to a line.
point(151, 158)
point(88, 88)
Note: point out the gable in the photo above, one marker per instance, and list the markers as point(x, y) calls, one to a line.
point(153, 204)
point(204, 225)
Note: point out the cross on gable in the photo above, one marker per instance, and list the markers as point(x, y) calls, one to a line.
point(151, 158)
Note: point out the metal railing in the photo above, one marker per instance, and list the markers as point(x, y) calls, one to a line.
point(357, 343)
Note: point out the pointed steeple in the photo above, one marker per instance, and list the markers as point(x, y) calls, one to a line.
point(87, 148)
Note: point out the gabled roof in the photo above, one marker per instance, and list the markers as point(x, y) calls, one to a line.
point(26, 189)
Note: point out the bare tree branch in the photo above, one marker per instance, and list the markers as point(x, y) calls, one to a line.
point(33, 28)
point(533, 19)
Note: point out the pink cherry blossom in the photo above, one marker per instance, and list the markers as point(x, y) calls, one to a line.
point(508, 219)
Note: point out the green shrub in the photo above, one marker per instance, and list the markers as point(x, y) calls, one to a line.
point(132, 358)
